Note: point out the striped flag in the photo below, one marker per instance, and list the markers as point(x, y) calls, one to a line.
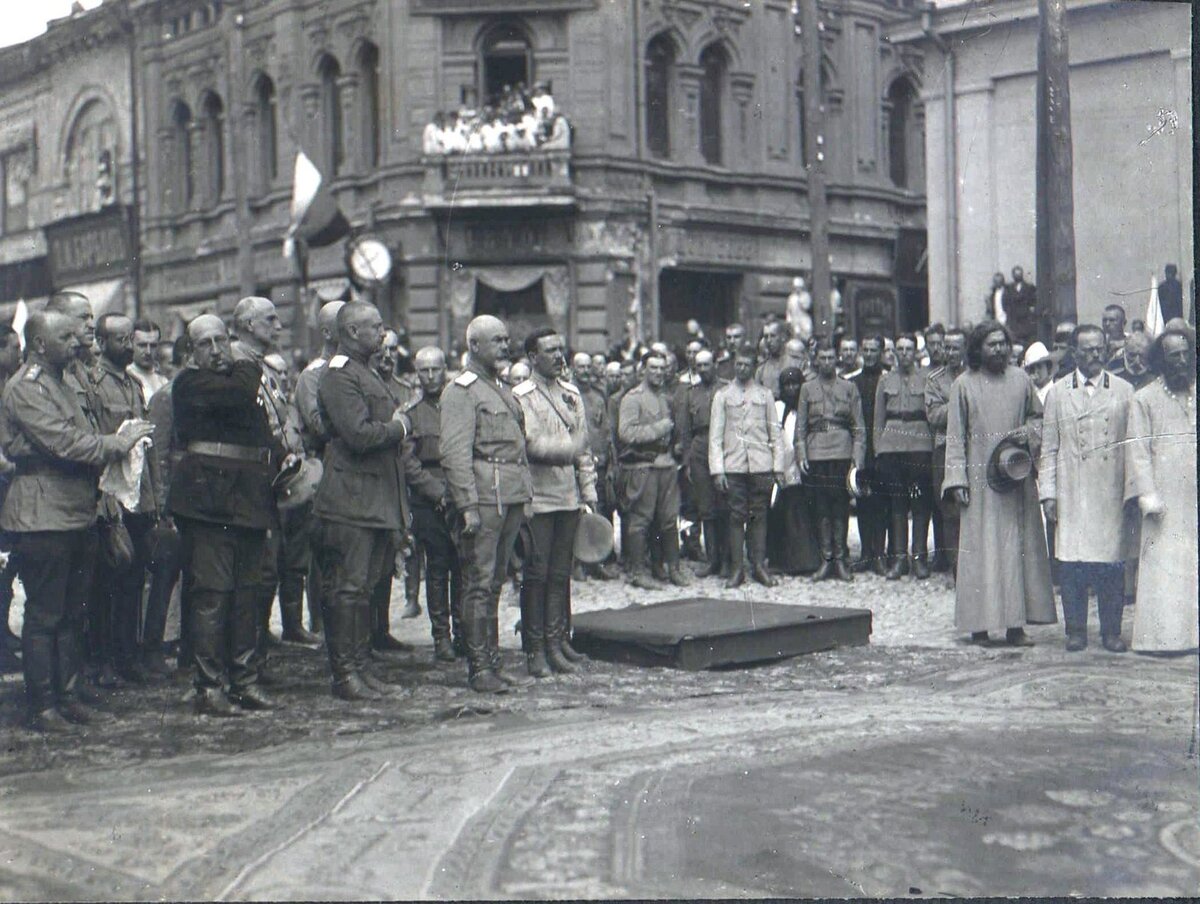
point(1154, 318)
point(317, 220)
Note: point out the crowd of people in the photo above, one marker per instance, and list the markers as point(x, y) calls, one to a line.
point(516, 120)
point(227, 481)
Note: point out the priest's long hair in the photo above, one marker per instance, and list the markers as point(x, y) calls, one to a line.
point(975, 341)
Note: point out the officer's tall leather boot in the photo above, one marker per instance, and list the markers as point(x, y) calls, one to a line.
point(556, 627)
point(841, 565)
point(480, 677)
point(363, 655)
point(37, 655)
point(638, 575)
point(412, 584)
point(315, 596)
point(722, 523)
point(564, 640)
point(291, 608)
point(437, 598)
point(381, 639)
point(493, 645)
point(920, 541)
point(208, 638)
point(825, 540)
point(712, 551)
point(533, 628)
point(340, 640)
point(736, 552)
point(758, 551)
point(457, 619)
point(670, 552)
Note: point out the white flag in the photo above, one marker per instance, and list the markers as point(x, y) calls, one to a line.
point(1154, 319)
point(20, 317)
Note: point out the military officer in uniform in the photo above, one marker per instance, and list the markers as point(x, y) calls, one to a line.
point(483, 456)
point(595, 407)
point(649, 485)
point(362, 501)
point(258, 327)
point(830, 437)
point(117, 594)
point(695, 412)
point(745, 458)
point(937, 414)
point(564, 481)
point(50, 513)
point(430, 499)
point(305, 416)
point(221, 499)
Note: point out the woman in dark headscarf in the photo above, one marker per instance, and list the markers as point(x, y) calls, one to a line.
point(791, 541)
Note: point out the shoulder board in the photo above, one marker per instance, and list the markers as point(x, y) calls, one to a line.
point(316, 363)
point(466, 378)
point(569, 387)
point(34, 371)
point(338, 361)
point(524, 388)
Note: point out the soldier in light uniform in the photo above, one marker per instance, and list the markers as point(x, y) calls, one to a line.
point(257, 325)
point(649, 485)
point(830, 437)
point(430, 500)
point(483, 456)
point(50, 513)
point(305, 417)
point(362, 501)
point(745, 458)
point(564, 480)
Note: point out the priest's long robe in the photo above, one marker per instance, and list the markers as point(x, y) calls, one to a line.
point(1003, 578)
point(1160, 458)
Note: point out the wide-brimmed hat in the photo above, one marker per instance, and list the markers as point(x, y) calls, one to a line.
point(1036, 354)
point(593, 539)
point(297, 485)
point(1009, 465)
point(856, 483)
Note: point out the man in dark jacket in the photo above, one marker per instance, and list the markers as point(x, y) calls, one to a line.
point(1020, 307)
point(223, 504)
point(872, 509)
point(1170, 294)
point(362, 503)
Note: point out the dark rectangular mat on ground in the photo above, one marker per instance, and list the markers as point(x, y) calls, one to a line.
point(704, 633)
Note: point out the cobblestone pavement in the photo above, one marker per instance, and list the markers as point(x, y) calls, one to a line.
point(916, 765)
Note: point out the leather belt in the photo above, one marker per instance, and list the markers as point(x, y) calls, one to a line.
point(907, 416)
point(230, 450)
point(493, 460)
point(826, 423)
point(29, 467)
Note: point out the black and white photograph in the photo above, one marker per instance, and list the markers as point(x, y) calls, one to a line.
point(598, 450)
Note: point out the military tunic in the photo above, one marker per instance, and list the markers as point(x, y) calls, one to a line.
point(557, 445)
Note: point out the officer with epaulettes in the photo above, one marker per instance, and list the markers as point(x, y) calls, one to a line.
point(483, 456)
point(362, 501)
point(430, 500)
point(50, 512)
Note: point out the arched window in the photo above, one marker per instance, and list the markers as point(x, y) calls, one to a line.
point(212, 112)
point(93, 132)
point(331, 116)
point(714, 64)
point(505, 61)
point(368, 68)
point(181, 188)
point(904, 135)
point(266, 137)
point(660, 70)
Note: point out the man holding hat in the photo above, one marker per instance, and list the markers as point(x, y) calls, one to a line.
point(1081, 475)
point(1003, 570)
point(564, 481)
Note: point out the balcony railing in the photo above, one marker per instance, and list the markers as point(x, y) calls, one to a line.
point(514, 179)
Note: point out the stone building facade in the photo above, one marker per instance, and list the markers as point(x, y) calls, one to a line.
point(68, 139)
point(683, 194)
point(1131, 122)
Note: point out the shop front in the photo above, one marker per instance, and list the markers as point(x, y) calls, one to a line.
point(92, 254)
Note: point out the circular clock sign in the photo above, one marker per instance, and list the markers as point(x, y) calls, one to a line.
point(369, 261)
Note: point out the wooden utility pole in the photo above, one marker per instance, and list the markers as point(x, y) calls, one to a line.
point(814, 147)
point(1055, 197)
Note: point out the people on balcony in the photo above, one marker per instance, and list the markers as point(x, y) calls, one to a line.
point(515, 121)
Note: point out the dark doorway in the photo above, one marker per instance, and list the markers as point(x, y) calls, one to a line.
point(709, 297)
point(523, 310)
point(912, 279)
point(505, 61)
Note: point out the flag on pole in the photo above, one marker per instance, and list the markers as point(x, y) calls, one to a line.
point(20, 318)
point(317, 220)
point(1154, 318)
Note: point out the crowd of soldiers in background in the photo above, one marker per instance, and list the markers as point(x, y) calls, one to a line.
point(745, 458)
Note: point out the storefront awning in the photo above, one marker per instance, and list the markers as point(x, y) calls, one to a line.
point(108, 296)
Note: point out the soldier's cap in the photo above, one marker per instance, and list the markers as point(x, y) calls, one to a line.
point(593, 539)
point(297, 485)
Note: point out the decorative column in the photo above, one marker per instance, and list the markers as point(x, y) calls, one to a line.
point(741, 87)
point(686, 116)
point(348, 97)
point(196, 152)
